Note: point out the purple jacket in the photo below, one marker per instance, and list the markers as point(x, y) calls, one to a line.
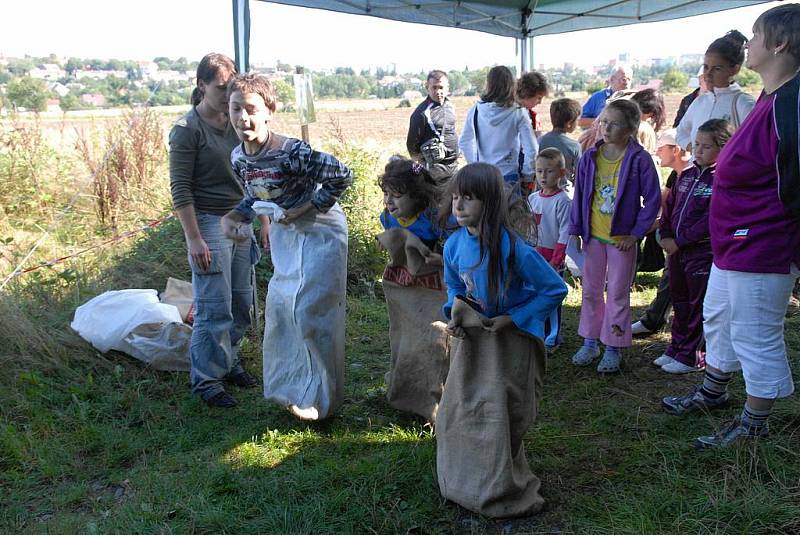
point(638, 179)
point(685, 215)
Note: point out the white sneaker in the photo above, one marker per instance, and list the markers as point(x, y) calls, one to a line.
point(680, 368)
point(639, 328)
point(663, 359)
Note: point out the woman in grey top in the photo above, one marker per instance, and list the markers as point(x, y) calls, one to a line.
point(204, 188)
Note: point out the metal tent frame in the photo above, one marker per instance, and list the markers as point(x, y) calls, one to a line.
point(520, 19)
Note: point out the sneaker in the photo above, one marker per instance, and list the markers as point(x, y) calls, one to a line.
point(663, 359)
point(694, 401)
point(585, 355)
point(732, 433)
point(242, 380)
point(222, 400)
point(638, 328)
point(610, 362)
point(678, 368)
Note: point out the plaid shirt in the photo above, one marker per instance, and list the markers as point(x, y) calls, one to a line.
point(286, 171)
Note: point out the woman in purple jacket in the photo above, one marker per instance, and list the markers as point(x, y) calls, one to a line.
point(685, 237)
point(607, 219)
point(755, 236)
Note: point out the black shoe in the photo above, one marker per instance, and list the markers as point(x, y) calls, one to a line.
point(242, 380)
point(222, 400)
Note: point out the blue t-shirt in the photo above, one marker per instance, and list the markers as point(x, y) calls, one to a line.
point(595, 104)
point(535, 290)
point(422, 226)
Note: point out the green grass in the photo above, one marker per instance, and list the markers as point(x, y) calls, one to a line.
point(93, 443)
point(104, 445)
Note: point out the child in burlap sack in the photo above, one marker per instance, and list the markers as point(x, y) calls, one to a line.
point(414, 288)
point(410, 199)
point(499, 293)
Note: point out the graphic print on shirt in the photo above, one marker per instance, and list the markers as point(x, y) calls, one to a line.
point(607, 192)
point(702, 190)
point(469, 284)
point(263, 184)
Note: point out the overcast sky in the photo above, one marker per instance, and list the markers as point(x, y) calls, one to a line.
point(318, 39)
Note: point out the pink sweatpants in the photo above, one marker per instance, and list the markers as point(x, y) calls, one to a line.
point(607, 319)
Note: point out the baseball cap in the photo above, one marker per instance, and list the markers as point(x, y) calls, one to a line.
point(667, 137)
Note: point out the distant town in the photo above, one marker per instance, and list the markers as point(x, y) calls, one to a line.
point(55, 85)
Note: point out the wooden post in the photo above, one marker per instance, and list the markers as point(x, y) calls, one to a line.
point(303, 127)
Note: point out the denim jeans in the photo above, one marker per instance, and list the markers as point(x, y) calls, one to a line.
point(223, 295)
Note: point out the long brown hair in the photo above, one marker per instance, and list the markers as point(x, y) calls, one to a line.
point(211, 66)
point(484, 182)
point(499, 86)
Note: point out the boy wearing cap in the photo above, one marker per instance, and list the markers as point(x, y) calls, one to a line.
point(671, 156)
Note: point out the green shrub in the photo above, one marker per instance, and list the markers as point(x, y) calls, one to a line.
point(362, 203)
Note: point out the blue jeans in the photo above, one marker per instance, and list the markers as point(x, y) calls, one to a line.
point(223, 295)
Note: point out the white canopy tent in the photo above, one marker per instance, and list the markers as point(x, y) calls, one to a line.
point(520, 19)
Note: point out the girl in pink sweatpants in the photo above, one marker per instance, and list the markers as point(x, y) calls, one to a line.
point(616, 201)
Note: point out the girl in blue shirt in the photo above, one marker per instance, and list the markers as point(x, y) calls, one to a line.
point(488, 263)
point(410, 198)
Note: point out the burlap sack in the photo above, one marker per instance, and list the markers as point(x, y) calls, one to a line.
point(179, 293)
point(414, 294)
point(490, 399)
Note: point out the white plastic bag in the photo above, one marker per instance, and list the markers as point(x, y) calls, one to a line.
point(135, 322)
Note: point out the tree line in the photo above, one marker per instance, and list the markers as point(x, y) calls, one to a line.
point(19, 90)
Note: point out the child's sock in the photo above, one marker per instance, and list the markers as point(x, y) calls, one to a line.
point(715, 384)
point(610, 350)
point(591, 343)
point(753, 419)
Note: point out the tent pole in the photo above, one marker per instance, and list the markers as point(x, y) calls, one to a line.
point(523, 55)
point(531, 64)
point(241, 34)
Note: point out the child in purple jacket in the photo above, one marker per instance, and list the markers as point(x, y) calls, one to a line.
point(685, 236)
point(616, 201)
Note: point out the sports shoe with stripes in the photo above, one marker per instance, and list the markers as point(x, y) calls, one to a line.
point(694, 401)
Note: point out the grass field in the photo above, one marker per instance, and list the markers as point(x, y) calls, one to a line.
point(93, 443)
point(113, 447)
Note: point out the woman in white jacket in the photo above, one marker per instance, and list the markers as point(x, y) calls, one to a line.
point(724, 99)
point(502, 128)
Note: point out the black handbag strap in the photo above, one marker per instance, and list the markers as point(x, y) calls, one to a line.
point(475, 127)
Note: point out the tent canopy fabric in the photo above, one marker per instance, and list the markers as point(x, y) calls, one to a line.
point(525, 18)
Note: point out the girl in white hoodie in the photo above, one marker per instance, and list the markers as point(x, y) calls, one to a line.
point(724, 99)
point(496, 128)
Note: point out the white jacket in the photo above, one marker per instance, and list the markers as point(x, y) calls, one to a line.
point(729, 103)
point(501, 132)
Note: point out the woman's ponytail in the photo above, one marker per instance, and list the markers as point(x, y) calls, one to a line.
point(730, 47)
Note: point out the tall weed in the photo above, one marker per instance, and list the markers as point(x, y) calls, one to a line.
point(362, 202)
point(27, 163)
point(124, 161)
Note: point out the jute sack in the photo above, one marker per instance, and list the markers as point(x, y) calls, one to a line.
point(414, 294)
point(490, 399)
point(179, 293)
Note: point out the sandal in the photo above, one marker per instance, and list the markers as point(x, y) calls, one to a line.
point(610, 362)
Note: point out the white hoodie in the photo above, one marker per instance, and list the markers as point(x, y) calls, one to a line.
point(716, 104)
point(501, 132)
